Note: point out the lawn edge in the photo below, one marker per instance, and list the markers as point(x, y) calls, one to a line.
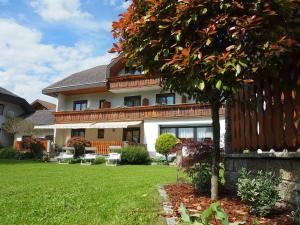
point(167, 207)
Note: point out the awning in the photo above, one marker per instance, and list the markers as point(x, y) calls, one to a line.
point(90, 125)
point(65, 126)
point(116, 124)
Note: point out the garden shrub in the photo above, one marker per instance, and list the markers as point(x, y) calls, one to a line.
point(79, 144)
point(8, 153)
point(165, 143)
point(35, 146)
point(259, 191)
point(99, 160)
point(296, 216)
point(197, 164)
point(136, 155)
point(201, 177)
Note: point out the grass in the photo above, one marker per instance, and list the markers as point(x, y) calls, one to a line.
point(48, 193)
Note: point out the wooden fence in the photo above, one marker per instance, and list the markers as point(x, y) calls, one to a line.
point(102, 147)
point(266, 115)
point(19, 145)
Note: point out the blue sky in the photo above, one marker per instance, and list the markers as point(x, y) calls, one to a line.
point(42, 41)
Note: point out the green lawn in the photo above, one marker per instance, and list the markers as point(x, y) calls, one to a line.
point(48, 193)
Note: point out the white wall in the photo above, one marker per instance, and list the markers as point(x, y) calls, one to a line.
point(65, 102)
point(152, 128)
point(7, 139)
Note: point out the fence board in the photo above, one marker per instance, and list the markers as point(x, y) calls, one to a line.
point(266, 115)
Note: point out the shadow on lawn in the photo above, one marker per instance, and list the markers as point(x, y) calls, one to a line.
point(15, 161)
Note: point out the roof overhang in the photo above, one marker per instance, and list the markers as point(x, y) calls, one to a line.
point(77, 89)
point(103, 125)
point(18, 101)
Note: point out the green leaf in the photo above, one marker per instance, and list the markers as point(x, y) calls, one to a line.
point(238, 69)
point(203, 11)
point(201, 86)
point(156, 58)
point(184, 213)
point(178, 36)
point(219, 84)
point(208, 41)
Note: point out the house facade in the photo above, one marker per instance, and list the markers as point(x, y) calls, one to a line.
point(113, 104)
point(11, 105)
point(43, 116)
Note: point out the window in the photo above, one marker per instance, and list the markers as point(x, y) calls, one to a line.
point(80, 105)
point(100, 133)
point(199, 133)
point(131, 70)
point(101, 103)
point(169, 130)
point(186, 132)
point(132, 101)
point(204, 133)
point(168, 99)
point(78, 133)
point(1, 109)
point(131, 135)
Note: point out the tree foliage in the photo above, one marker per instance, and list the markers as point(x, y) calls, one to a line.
point(165, 143)
point(16, 125)
point(209, 48)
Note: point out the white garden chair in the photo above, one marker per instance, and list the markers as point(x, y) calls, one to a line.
point(113, 159)
point(88, 158)
point(63, 156)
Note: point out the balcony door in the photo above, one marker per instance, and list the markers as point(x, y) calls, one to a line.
point(132, 135)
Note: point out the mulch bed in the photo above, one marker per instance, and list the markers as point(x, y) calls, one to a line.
point(237, 211)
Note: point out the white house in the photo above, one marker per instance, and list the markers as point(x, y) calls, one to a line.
point(11, 105)
point(112, 104)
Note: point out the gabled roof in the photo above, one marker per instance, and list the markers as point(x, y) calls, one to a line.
point(42, 117)
point(37, 104)
point(10, 97)
point(7, 92)
point(94, 77)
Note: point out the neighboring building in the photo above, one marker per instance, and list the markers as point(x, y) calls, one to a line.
point(43, 105)
point(43, 116)
point(11, 105)
point(111, 103)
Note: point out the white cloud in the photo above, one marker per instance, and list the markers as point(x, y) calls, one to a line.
point(68, 11)
point(27, 65)
point(59, 10)
point(118, 4)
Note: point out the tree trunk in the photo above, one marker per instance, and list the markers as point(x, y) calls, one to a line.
point(215, 106)
point(228, 134)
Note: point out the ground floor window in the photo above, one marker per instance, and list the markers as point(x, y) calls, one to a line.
point(132, 135)
point(199, 133)
point(78, 133)
point(100, 133)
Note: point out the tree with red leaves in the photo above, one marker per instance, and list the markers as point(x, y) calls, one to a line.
point(208, 49)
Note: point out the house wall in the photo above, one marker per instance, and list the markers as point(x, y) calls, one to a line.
point(65, 102)
point(39, 133)
point(7, 139)
point(152, 129)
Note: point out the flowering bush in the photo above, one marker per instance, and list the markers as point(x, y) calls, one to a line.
point(34, 145)
point(198, 152)
point(79, 144)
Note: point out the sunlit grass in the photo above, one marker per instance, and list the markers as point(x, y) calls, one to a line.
point(48, 193)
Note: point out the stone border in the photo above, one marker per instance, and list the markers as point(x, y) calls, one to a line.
point(167, 206)
point(279, 155)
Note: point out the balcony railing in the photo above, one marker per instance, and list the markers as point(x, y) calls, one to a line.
point(132, 81)
point(135, 113)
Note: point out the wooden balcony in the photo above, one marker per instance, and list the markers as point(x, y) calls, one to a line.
point(132, 81)
point(136, 113)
